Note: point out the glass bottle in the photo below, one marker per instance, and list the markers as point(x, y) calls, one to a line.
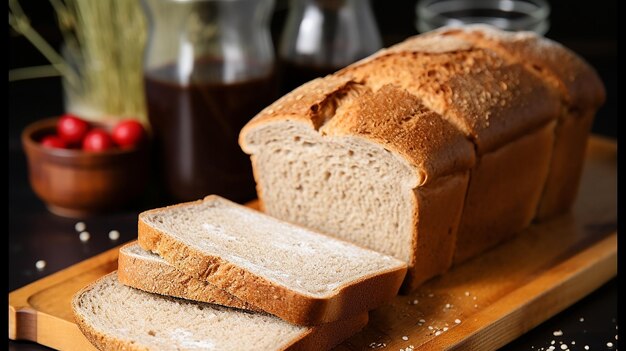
point(322, 36)
point(208, 69)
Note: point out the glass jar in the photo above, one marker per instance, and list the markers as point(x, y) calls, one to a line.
point(208, 69)
point(511, 15)
point(322, 36)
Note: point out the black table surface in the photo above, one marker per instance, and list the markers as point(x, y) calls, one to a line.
point(36, 234)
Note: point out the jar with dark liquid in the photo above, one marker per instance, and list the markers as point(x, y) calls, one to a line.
point(209, 68)
point(323, 36)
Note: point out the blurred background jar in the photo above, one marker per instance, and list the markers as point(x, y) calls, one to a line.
point(511, 15)
point(322, 36)
point(208, 69)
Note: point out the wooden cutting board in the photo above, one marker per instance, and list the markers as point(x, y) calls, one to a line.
point(480, 305)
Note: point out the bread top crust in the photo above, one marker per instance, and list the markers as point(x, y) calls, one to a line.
point(579, 83)
point(392, 117)
point(491, 100)
point(485, 88)
point(308, 104)
point(401, 123)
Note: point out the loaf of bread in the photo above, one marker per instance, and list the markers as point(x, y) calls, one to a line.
point(116, 317)
point(432, 150)
point(301, 276)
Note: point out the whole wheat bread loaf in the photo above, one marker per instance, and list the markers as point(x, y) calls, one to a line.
point(117, 317)
point(299, 275)
point(432, 150)
point(146, 271)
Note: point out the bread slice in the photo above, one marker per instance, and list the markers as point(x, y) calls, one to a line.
point(116, 317)
point(144, 270)
point(301, 276)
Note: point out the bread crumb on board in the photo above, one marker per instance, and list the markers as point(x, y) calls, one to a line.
point(114, 235)
point(377, 345)
point(84, 236)
point(80, 226)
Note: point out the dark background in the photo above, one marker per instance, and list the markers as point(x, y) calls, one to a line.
point(587, 27)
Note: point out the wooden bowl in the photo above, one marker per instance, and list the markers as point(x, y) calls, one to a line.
point(75, 183)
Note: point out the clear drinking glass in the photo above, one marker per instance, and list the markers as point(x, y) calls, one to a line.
point(512, 15)
point(208, 69)
point(322, 36)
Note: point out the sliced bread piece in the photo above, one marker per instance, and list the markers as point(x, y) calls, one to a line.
point(144, 270)
point(117, 317)
point(302, 276)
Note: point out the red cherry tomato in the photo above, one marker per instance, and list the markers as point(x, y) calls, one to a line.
point(97, 140)
point(53, 141)
point(128, 133)
point(72, 129)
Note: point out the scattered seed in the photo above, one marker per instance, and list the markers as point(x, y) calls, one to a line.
point(586, 347)
point(80, 226)
point(557, 333)
point(552, 342)
point(438, 332)
point(609, 344)
point(40, 265)
point(375, 345)
point(581, 319)
point(84, 236)
point(422, 320)
point(445, 329)
point(430, 327)
point(114, 235)
point(473, 297)
point(457, 321)
point(431, 295)
point(564, 347)
point(405, 338)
